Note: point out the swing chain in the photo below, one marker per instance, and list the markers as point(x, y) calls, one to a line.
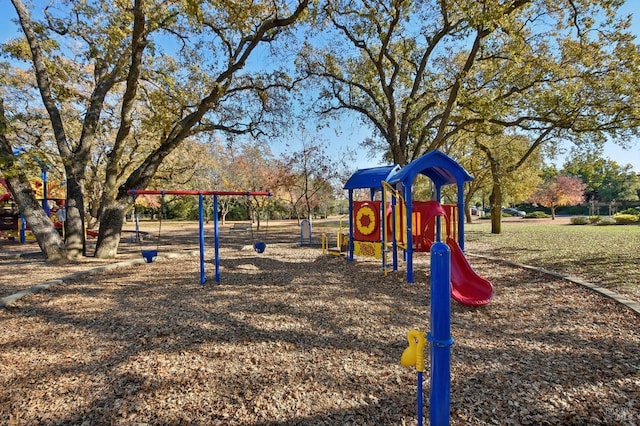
point(160, 214)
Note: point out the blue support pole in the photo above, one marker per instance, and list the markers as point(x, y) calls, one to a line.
point(45, 192)
point(419, 398)
point(350, 256)
point(23, 230)
point(394, 234)
point(203, 277)
point(438, 222)
point(440, 335)
point(216, 237)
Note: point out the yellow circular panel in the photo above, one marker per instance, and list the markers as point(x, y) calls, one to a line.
point(371, 226)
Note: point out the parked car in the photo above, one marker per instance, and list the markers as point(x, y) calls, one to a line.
point(474, 211)
point(514, 212)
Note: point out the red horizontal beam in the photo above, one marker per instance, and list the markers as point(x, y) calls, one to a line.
point(190, 192)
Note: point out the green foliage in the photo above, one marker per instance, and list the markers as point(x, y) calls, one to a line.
point(594, 219)
point(183, 208)
point(537, 215)
point(606, 221)
point(605, 255)
point(579, 220)
point(630, 211)
point(626, 219)
point(580, 210)
point(419, 79)
point(128, 82)
point(606, 180)
point(237, 212)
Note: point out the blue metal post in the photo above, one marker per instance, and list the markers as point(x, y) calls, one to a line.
point(350, 256)
point(216, 237)
point(45, 191)
point(203, 277)
point(419, 398)
point(438, 222)
point(394, 234)
point(440, 335)
point(23, 230)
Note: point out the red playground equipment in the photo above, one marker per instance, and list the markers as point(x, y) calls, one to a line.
point(379, 228)
point(396, 222)
point(467, 287)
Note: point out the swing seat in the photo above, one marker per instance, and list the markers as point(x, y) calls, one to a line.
point(259, 246)
point(149, 255)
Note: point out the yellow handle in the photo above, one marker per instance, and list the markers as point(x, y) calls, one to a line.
point(414, 354)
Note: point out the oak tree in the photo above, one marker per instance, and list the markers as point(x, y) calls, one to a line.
point(419, 73)
point(173, 70)
point(48, 239)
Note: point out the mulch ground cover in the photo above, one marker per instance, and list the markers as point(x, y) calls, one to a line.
point(294, 337)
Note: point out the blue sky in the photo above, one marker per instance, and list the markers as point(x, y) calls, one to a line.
point(355, 132)
point(630, 156)
point(350, 130)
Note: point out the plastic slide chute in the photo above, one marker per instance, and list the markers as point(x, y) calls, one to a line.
point(467, 287)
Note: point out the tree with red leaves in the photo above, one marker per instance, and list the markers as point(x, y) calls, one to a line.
point(561, 190)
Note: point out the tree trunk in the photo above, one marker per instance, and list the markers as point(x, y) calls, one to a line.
point(467, 214)
point(467, 206)
point(553, 212)
point(74, 224)
point(495, 200)
point(49, 241)
point(111, 222)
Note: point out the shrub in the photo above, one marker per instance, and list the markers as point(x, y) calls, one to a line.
point(594, 219)
point(626, 219)
point(579, 220)
point(605, 221)
point(537, 215)
point(580, 210)
point(631, 211)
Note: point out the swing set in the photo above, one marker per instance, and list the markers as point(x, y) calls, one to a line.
point(150, 255)
point(259, 246)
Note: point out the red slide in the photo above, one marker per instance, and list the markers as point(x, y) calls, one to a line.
point(467, 287)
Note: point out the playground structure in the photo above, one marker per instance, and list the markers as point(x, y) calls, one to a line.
point(380, 228)
point(342, 241)
point(259, 246)
point(52, 196)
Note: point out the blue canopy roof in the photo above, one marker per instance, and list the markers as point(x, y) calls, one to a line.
point(438, 167)
point(371, 178)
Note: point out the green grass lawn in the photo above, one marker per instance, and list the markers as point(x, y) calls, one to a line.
point(605, 255)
